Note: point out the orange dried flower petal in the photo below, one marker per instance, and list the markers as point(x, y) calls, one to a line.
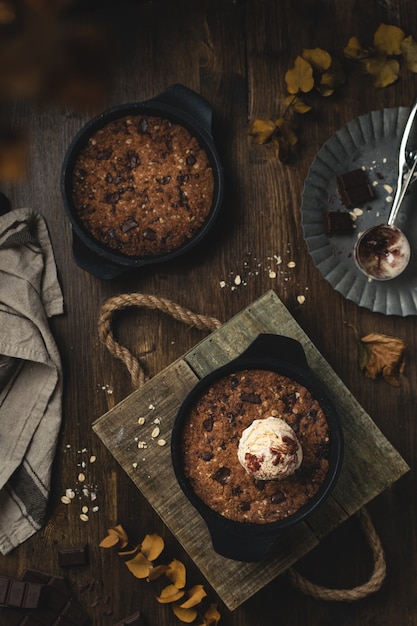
point(116, 536)
point(211, 616)
point(170, 594)
point(140, 566)
point(156, 572)
point(195, 595)
point(176, 573)
point(184, 615)
point(152, 546)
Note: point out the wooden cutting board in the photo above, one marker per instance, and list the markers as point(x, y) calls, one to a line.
point(367, 451)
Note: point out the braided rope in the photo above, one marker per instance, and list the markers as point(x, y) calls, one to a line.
point(373, 584)
point(123, 301)
point(203, 322)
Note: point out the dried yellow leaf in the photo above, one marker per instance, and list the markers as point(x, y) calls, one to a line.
point(140, 566)
point(299, 77)
point(262, 130)
point(388, 38)
point(195, 595)
point(385, 71)
point(286, 131)
point(170, 594)
point(176, 573)
point(184, 615)
point(409, 51)
point(297, 104)
point(117, 536)
point(354, 50)
point(382, 355)
point(318, 58)
point(152, 546)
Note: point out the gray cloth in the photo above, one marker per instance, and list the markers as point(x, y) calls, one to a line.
point(30, 374)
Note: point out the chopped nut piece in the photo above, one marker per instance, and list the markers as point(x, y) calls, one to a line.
point(301, 299)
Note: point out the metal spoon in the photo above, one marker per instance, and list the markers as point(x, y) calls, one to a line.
point(382, 252)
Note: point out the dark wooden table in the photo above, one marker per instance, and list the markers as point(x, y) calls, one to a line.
point(234, 53)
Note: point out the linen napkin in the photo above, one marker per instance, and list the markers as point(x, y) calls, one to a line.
point(30, 374)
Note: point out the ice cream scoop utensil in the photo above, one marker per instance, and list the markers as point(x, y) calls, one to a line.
point(382, 252)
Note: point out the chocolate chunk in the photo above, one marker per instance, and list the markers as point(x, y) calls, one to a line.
point(72, 556)
point(207, 456)
point(354, 188)
point(149, 234)
point(278, 497)
point(337, 223)
point(132, 620)
point(208, 424)
point(253, 398)
point(104, 155)
point(129, 224)
point(222, 475)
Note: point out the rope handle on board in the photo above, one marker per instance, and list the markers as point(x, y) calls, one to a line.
point(138, 378)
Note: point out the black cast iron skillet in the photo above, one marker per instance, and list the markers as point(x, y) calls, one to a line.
point(244, 541)
point(178, 104)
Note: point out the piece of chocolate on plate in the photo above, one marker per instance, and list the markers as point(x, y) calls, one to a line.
point(337, 223)
point(354, 188)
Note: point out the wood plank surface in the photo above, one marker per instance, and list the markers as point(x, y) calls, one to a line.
point(371, 464)
point(235, 53)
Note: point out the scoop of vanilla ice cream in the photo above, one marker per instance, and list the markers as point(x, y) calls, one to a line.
point(269, 449)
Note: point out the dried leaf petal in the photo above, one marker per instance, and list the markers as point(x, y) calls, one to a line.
point(176, 573)
point(388, 39)
point(152, 546)
point(117, 536)
point(297, 104)
point(140, 566)
point(211, 616)
point(299, 77)
point(129, 553)
point(384, 70)
point(382, 355)
point(184, 615)
point(286, 131)
point(170, 594)
point(262, 130)
point(409, 50)
point(354, 50)
point(156, 572)
point(318, 58)
point(195, 595)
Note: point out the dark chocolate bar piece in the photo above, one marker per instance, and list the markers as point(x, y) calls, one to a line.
point(57, 605)
point(20, 594)
point(337, 223)
point(354, 188)
point(72, 556)
point(133, 620)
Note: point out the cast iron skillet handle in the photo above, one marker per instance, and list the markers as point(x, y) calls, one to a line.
point(187, 100)
point(228, 543)
point(277, 347)
point(92, 263)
